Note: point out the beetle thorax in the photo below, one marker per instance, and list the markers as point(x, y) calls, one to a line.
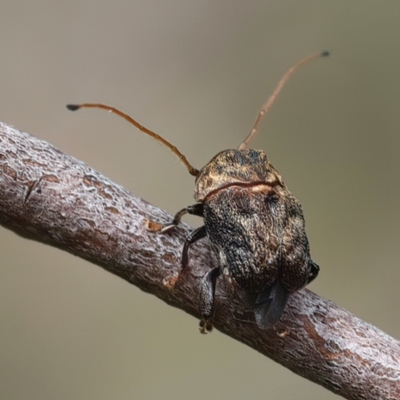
point(234, 167)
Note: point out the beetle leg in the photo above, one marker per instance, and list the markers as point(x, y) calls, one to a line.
point(207, 295)
point(195, 209)
point(194, 236)
point(177, 219)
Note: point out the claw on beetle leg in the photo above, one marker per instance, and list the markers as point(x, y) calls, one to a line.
point(205, 326)
point(167, 227)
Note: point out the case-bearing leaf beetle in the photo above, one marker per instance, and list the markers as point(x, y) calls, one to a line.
point(255, 226)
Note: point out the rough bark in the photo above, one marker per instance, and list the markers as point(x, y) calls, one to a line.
point(48, 196)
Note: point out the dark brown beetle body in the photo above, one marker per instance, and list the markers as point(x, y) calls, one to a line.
point(255, 226)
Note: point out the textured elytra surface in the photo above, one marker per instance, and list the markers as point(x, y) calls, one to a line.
point(51, 197)
point(258, 234)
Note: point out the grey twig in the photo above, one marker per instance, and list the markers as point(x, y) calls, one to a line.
point(51, 197)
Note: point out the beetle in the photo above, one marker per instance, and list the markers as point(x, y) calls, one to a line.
point(254, 224)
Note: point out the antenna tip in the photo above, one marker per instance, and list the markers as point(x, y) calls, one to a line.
point(73, 107)
point(325, 53)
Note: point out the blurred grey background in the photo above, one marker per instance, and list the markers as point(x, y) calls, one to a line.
point(197, 72)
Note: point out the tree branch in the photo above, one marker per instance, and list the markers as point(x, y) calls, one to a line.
point(48, 196)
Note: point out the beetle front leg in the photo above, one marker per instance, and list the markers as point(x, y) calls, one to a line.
point(194, 236)
point(207, 295)
point(195, 209)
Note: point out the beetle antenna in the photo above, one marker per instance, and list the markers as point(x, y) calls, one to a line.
point(192, 171)
point(267, 105)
